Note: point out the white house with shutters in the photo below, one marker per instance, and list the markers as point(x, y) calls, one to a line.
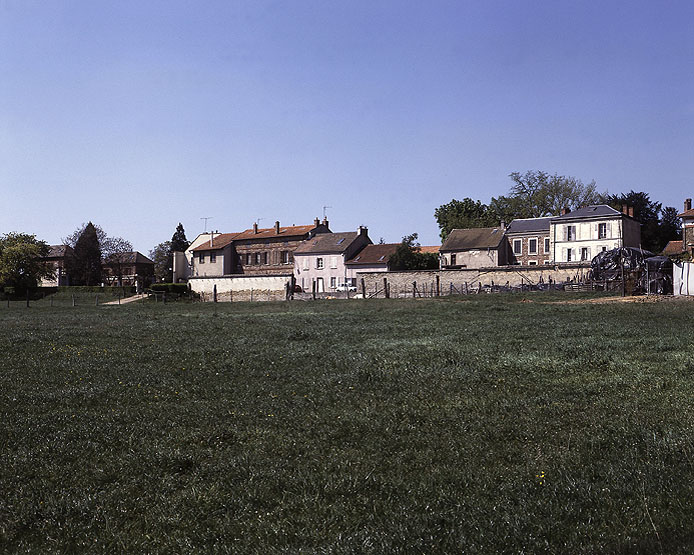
point(580, 235)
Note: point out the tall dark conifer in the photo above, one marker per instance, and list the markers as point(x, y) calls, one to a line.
point(86, 263)
point(179, 243)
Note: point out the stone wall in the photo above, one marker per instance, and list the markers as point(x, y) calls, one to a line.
point(241, 288)
point(401, 283)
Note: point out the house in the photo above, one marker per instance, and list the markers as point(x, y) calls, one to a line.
point(322, 259)
point(57, 260)
point(580, 235)
point(255, 251)
point(128, 268)
point(528, 240)
point(687, 217)
point(480, 247)
point(372, 258)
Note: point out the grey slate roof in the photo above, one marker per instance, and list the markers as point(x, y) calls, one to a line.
point(374, 254)
point(474, 238)
point(327, 243)
point(593, 211)
point(529, 225)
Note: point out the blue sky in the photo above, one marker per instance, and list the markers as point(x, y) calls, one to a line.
point(138, 115)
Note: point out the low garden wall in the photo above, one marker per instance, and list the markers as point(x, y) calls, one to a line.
point(241, 288)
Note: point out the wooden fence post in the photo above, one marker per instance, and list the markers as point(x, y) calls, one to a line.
point(313, 289)
point(214, 293)
point(27, 297)
point(363, 288)
point(385, 287)
point(438, 285)
point(96, 300)
point(414, 289)
point(73, 299)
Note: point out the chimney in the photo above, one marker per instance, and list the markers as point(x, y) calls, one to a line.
point(316, 222)
point(631, 211)
point(687, 204)
point(502, 225)
point(363, 230)
point(255, 227)
point(211, 237)
point(277, 228)
point(564, 211)
point(625, 210)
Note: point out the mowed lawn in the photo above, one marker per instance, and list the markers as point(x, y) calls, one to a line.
point(492, 423)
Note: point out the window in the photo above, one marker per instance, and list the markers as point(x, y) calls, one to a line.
point(546, 261)
point(532, 246)
point(284, 256)
point(570, 232)
point(517, 246)
point(585, 253)
point(532, 263)
point(213, 257)
point(249, 259)
point(257, 258)
point(305, 265)
point(201, 258)
point(352, 281)
point(546, 245)
point(602, 231)
point(333, 261)
point(319, 263)
point(333, 282)
point(568, 255)
point(453, 261)
point(264, 258)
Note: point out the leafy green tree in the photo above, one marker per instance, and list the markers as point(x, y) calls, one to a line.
point(178, 242)
point(85, 266)
point(21, 266)
point(670, 225)
point(463, 214)
point(408, 256)
point(535, 194)
point(162, 256)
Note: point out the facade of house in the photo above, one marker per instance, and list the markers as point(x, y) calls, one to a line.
point(255, 251)
point(578, 236)
point(528, 241)
point(322, 259)
point(57, 260)
point(474, 248)
point(128, 269)
point(687, 217)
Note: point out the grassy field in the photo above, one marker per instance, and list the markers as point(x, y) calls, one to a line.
point(493, 423)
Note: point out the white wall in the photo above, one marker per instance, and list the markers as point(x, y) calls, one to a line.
point(238, 284)
point(683, 278)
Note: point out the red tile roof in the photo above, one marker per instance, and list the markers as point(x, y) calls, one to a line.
point(686, 214)
point(433, 249)
point(674, 247)
point(218, 242)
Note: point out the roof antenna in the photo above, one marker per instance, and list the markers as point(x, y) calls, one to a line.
point(208, 218)
point(257, 221)
point(325, 214)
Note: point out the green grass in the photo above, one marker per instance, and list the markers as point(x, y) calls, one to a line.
point(476, 425)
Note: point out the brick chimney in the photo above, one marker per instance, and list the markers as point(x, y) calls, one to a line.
point(502, 225)
point(277, 228)
point(316, 222)
point(363, 230)
point(325, 222)
point(255, 227)
point(687, 204)
point(564, 211)
point(625, 209)
point(631, 211)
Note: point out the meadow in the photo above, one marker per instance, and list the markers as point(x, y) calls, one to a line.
point(483, 424)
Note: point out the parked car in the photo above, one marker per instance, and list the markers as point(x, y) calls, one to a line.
point(346, 287)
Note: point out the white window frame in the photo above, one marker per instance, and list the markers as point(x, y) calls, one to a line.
point(319, 263)
point(602, 230)
point(306, 264)
point(547, 246)
point(333, 282)
point(530, 245)
point(518, 242)
point(333, 261)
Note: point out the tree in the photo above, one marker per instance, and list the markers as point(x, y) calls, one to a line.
point(21, 266)
point(408, 256)
point(85, 267)
point(658, 225)
point(112, 251)
point(179, 243)
point(463, 214)
point(162, 256)
point(535, 194)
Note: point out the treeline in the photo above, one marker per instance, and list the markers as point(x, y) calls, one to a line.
point(535, 194)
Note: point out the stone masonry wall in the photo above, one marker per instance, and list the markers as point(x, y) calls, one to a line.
point(400, 283)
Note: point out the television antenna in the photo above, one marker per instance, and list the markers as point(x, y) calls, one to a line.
point(208, 218)
point(325, 212)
